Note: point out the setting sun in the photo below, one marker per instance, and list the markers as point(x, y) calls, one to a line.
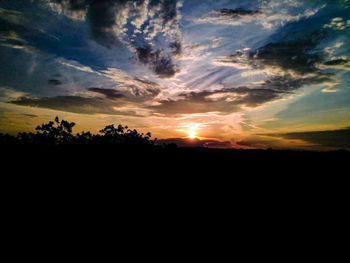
point(192, 134)
point(192, 130)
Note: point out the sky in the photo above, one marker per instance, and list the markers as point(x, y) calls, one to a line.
point(225, 73)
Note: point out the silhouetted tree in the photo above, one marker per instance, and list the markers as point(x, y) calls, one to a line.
point(58, 131)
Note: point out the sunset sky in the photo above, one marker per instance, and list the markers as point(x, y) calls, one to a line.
point(243, 74)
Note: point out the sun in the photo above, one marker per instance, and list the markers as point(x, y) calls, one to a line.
point(192, 134)
point(192, 130)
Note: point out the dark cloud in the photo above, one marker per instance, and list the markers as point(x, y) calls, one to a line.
point(75, 104)
point(145, 54)
point(164, 66)
point(134, 90)
point(8, 28)
point(239, 12)
point(161, 63)
point(132, 94)
point(259, 142)
point(141, 94)
point(339, 61)
point(169, 10)
point(30, 115)
point(109, 19)
point(331, 138)
point(147, 82)
point(54, 82)
point(139, 90)
point(102, 17)
point(226, 100)
point(295, 58)
point(229, 16)
point(343, 63)
point(187, 142)
point(176, 47)
point(109, 93)
point(298, 55)
point(288, 83)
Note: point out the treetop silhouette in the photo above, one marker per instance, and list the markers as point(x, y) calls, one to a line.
point(60, 132)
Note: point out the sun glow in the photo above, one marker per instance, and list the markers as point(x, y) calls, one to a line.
point(192, 134)
point(192, 131)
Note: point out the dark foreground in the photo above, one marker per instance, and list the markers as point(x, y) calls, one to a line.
point(149, 185)
point(61, 185)
point(168, 159)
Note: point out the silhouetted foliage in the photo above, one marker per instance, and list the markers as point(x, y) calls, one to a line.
point(59, 133)
point(56, 131)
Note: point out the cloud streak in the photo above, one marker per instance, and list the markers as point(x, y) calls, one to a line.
point(331, 138)
point(75, 104)
point(225, 101)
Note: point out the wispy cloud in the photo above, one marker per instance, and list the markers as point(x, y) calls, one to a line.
point(76, 104)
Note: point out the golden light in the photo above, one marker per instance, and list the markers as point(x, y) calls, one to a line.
point(192, 134)
point(192, 131)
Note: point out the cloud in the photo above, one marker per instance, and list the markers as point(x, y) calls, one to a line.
point(106, 18)
point(161, 63)
point(135, 25)
point(269, 15)
point(226, 16)
point(30, 115)
point(225, 100)
point(12, 26)
point(330, 138)
point(55, 82)
point(109, 93)
point(338, 23)
point(190, 143)
point(195, 51)
point(258, 142)
point(338, 63)
point(73, 9)
point(296, 55)
point(214, 43)
point(288, 82)
point(290, 63)
point(75, 104)
point(164, 19)
point(234, 13)
point(140, 15)
point(135, 89)
point(176, 47)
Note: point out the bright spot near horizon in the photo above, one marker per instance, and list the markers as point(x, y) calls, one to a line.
point(192, 134)
point(192, 131)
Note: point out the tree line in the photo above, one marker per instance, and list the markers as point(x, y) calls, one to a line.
point(59, 133)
